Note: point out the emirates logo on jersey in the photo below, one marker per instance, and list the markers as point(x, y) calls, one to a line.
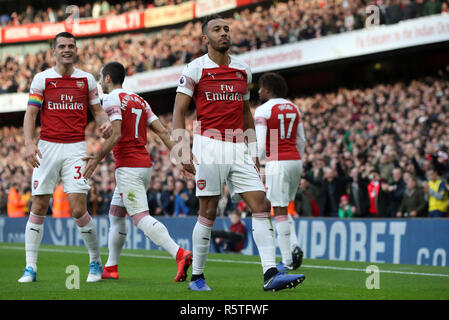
point(66, 102)
point(80, 84)
point(201, 184)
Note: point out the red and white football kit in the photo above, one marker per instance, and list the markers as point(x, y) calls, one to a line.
point(219, 92)
point(132, 160)
point(281, 134)
point(63, 103)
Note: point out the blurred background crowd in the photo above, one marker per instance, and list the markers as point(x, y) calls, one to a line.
point(284, 22)
point(371, 152)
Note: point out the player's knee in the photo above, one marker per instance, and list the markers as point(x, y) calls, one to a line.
point(40, 205)
point(139, 216)
point(262, 206)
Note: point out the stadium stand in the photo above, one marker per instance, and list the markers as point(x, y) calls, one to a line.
point(373, 128)
point(263, 27)
point(377, 128)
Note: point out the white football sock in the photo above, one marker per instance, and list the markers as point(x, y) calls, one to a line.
point(88, 230)
point(283, 231)
point(293, 238)
point(201, 243)
point(263, 235)
point(116, 239)
point(158, 233)
point(34, 232)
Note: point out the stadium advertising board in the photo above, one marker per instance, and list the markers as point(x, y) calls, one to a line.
point(170, 14)
point(80, 28)
point(398, 241)
point(207, 7)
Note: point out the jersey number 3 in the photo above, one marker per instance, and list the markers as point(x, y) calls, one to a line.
point(281, 117)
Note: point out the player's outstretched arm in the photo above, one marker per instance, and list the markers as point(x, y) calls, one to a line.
point(163, 133)
point(102, 119)
point(92, 161)
point(249, 127)
point(29, 126)
point(179, 134)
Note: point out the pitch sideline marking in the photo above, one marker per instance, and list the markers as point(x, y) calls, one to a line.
point(135, 255)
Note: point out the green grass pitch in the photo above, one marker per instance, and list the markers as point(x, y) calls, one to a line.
point(149, 275)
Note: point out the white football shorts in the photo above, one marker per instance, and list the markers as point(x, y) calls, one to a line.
point(282, 181)
point(223, 161)
point(60, 160)
point(131, 189)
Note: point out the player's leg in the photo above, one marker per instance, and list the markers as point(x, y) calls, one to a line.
point(201, 240)
point(245, 180)
point(77, 188)
point(264, 237)
point(116, 237)
point(43, 182)
point(88, 230)
point(283, 231)
point(276, 177)
point(262, 229)
point(210, 172)
point(132, 184)
point(294, 170)
point(34, 232)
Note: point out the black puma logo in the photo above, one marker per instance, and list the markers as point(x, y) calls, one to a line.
point(35, 230)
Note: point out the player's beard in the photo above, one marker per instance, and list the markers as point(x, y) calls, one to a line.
point(220, 47)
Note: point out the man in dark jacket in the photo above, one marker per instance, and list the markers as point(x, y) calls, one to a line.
point(358, 194)
point(413, 203)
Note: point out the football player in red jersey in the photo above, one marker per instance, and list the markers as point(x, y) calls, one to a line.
point(280, 132)
point(62, 95)
point(219, 85)
point(130, 114)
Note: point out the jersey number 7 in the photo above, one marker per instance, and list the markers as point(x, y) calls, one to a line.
point(138, 113)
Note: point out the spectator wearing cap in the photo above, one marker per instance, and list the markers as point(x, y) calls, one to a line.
point(345, 210)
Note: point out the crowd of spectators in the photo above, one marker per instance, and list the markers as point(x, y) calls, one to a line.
point(370, 153)
point(92, 9)
point(280, 23)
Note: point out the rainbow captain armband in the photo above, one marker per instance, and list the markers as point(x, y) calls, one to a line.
point(35, 99)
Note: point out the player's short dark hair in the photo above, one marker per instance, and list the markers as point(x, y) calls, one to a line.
point(115, 70)
point(275, 83)
point(63, 34)
point(207, 19)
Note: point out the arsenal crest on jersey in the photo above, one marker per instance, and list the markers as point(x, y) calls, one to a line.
point(35, 184)
point(80, 84)
point(201, 184)
point(239, 75)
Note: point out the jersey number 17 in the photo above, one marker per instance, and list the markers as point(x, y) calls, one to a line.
point(281, 117)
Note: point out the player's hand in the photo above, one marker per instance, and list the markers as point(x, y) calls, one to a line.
point(189, 168)
point(106, 129)
point(31, 150)
point(91, 164)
